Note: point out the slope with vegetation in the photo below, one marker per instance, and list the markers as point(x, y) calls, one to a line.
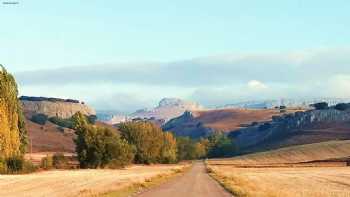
point(319, 125)
point(198, 124)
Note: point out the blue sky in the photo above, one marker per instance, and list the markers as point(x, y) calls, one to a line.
point(47, 36)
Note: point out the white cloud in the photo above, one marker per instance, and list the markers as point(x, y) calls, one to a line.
point(256, 85)
point(211, 80)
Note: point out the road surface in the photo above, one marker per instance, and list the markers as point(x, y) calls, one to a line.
point(194, 183)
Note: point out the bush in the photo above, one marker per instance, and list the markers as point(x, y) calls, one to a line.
point(320, 106)
point(59, 161)
point(342, 106)
point(39, 119)
point(3, 166)
point(47, 162)
point(14, 164)
point(67, 123)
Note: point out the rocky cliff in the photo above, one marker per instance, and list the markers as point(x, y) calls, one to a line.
point(167, 109)
point(328, 124)
point(55, 107)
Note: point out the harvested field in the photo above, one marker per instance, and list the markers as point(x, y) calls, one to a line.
point(309, 170)
point(79, 182)
point(287, 182)
point(308, 153)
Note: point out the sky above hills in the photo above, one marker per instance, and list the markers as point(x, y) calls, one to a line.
point(125, 55)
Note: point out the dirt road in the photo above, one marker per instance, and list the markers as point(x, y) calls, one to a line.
point(194, 183)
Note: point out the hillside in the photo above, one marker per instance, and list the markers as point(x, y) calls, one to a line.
point(202, 123)
point(294, 129)
point(49, 138)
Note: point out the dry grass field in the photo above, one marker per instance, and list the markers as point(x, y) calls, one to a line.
point(292, 155)
point(80, 182)
point(309, 170)
point(286, 182)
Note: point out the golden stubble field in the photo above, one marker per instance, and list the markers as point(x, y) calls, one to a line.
point(286, 182)
point(311, 170)
point(79, 182)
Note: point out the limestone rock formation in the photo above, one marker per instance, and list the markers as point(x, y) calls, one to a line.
point(167, 109)
point(54, 107)
point(289, 125)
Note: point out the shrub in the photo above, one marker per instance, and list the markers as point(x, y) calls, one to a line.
point(342, 106)
point(46, 162)
point(28, 167)
point(14, 164)
point(3, 166)
point(67, 123)
point(320, 106)
point(39, 119)
point(59, 161)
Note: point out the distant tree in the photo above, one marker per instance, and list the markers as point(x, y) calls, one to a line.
point(92, 119)
point(169, 149)
point(342, 106)
point(221, 146)
point(146, 137)
point(99, 146)
point(320, 106)
point(66, 123)
point(39, 119)
point(186, 149)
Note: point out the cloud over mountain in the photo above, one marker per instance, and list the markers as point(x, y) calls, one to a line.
point(321, 72)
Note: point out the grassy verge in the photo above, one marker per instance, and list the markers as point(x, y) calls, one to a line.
point(146, 185)
point(227, 183)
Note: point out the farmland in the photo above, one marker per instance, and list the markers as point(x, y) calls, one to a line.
point(80, 182)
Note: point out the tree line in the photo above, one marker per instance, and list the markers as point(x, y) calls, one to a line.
point(141, 142)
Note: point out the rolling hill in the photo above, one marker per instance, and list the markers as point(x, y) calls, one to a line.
point(201, 123)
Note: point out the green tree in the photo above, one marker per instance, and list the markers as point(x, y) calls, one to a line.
point(221, 146)
point(146, 137)
point(189, 149)
point(99, 146)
